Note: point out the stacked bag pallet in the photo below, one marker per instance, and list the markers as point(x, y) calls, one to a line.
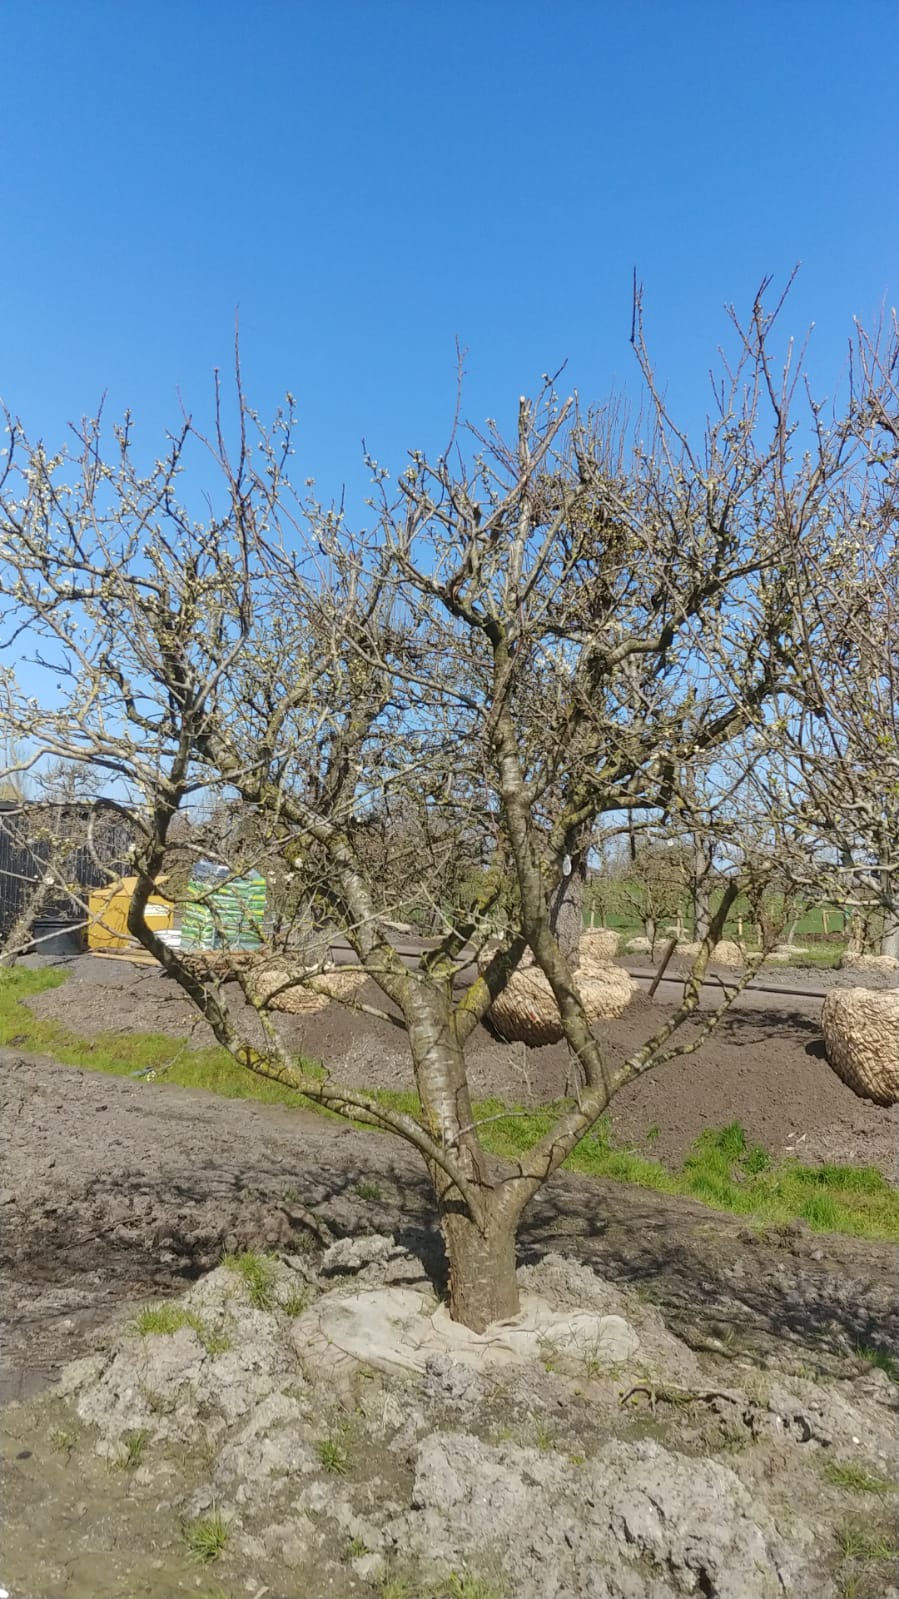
point(222, 912)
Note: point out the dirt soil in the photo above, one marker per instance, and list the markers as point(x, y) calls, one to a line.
point(764, 1066)
point(116, 1189)
point(297, 1457)
point(113, 1189)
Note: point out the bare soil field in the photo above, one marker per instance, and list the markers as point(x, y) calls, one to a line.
point(113, 1188)
point(754, 1457)
point(763, 1067)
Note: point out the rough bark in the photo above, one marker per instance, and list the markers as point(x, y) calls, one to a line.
point(566, 917)
point(480, 1249)
point(483, 1287)
point(702, 897)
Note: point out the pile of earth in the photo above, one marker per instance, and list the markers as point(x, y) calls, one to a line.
point(312, 1423)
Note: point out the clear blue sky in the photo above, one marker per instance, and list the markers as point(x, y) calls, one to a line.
point(368, 181)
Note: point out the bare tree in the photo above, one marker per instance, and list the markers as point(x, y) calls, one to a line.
point(656, 884)
point(532, 635)
point(831, 773)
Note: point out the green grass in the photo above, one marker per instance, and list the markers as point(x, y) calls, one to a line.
point(133, 1444)
point(855, 1479)
point(160, 1320)
point(727, 1173)
point(882, 1358)
point(820, 955)
point(722, 1170)
point(857, 1541)
point(295, 1303)
point(257, 1273)
point(333, 1456)
point(128, 1054)
point(466, 1585)
point(206, 1537)
point(394, 1588)
point(622, 899)
point(163, 1319)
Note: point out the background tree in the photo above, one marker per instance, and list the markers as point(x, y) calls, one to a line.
point(532, 635)
point(830, 762)
point(658, 879)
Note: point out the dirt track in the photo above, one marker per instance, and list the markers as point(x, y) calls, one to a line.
point(113, 1189)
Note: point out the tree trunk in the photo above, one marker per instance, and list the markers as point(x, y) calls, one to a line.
point(566, 912)
point(889, 938)
point(483, 1287)
point(702, 889)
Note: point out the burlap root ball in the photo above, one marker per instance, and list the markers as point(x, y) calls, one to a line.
point(861, 1041)
point(726, 953)
point(275, 982)
point(854, 960)
point(598, 947)
point(639, 946)
point(526, 1009)
point(313, 994)
point(340, 983)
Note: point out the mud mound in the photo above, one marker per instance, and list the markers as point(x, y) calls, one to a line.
point(218, 1422)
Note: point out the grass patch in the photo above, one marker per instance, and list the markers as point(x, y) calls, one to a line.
point(723, 1170)
point(858, 1541)
point(257, 1273)
point(133, 1445)
point(881, 1358)
point(466, 1585)
point(395, 1588)
point(855, 1479)
point(823, 956)
point(206, 1537)
point(131, 1054)
point(159, 1320)
point(726, 1172)
point(333, 1456)
point(65, 1440)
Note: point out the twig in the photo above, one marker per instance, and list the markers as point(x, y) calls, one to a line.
point(674, 1394)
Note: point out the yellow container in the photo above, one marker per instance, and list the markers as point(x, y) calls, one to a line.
point(108, 908)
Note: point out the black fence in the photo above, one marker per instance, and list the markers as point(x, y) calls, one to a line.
point(83, 846)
